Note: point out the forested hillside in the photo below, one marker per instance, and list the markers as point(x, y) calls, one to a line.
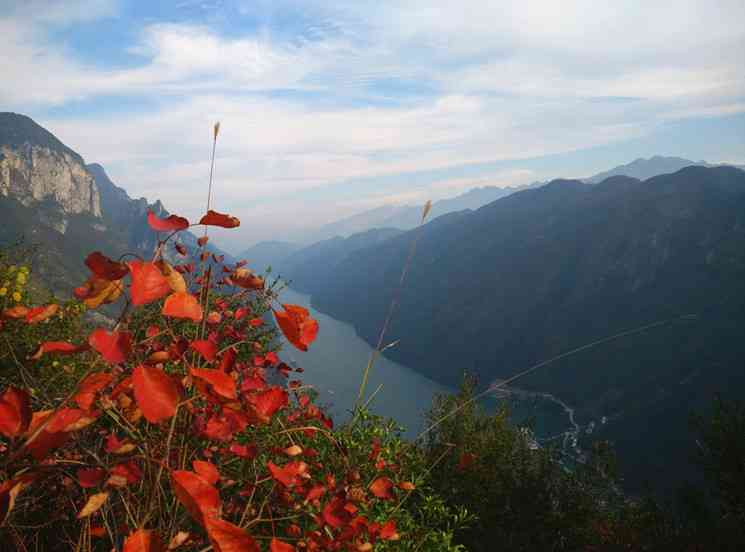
point(545, 271)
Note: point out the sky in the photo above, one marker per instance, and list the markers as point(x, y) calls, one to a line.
point(331, 108)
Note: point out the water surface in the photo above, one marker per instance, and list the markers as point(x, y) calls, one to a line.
point(335, 362)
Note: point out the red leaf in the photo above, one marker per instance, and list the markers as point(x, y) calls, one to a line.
point(227, 361)
point(17, 312)
point(466, 459)
point(200, 499)
point(114, 347)
point(180, 248)
point(156, 393)
point(388, 531)
point(143, 540)
point(105, 268)
point(182, 305)
point(223, 427)
point(267, 403)
point(169, 224)
point(98, 291)
point(279, 546)
point(253, 382)
point(221, 382)
point(246, 279)
point(174, 277)
point(15, 412)
point(289, 474)
point(205, 347)
point(219, 428)
point(297, 325)
point(207, 470)
point(39, 314)
point(88, 388)
point(213, 218)
point(148, 283)
point(46, 440)
point(382, 488)
point(129, 471)
point(317, 491)
point(63, 418)
point(58, 347)
point(244, 451)
point(226, 537)
point(114, 445)
point(90, 477)
point(335, 514)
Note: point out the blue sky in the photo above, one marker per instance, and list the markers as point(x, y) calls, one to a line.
point(330, 108)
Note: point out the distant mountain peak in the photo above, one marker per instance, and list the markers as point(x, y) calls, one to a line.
point(644, 168)
point(18, 130)
point(405, 217)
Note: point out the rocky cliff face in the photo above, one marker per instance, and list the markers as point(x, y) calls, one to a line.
point(33, 174)
point(36, 168)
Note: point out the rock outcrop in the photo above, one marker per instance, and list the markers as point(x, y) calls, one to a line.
point(33, 174)
point(36, 168)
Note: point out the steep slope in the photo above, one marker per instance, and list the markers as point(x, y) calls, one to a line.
point(545, 271)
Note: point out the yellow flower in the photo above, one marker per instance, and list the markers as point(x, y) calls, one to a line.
point(23, 269)
point(3, 291)
point(21, 278)
point(16, 296)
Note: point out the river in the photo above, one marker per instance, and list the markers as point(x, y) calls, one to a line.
point(335, 362)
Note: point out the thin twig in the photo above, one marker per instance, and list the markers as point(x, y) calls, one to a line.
point(391, 309)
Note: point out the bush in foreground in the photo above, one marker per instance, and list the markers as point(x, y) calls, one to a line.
point(179, 427)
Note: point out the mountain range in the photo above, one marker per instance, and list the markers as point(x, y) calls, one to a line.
point(548, 270)
point(405, 217)
point(647, 168)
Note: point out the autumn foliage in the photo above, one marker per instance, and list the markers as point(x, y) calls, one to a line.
point(179, 427)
